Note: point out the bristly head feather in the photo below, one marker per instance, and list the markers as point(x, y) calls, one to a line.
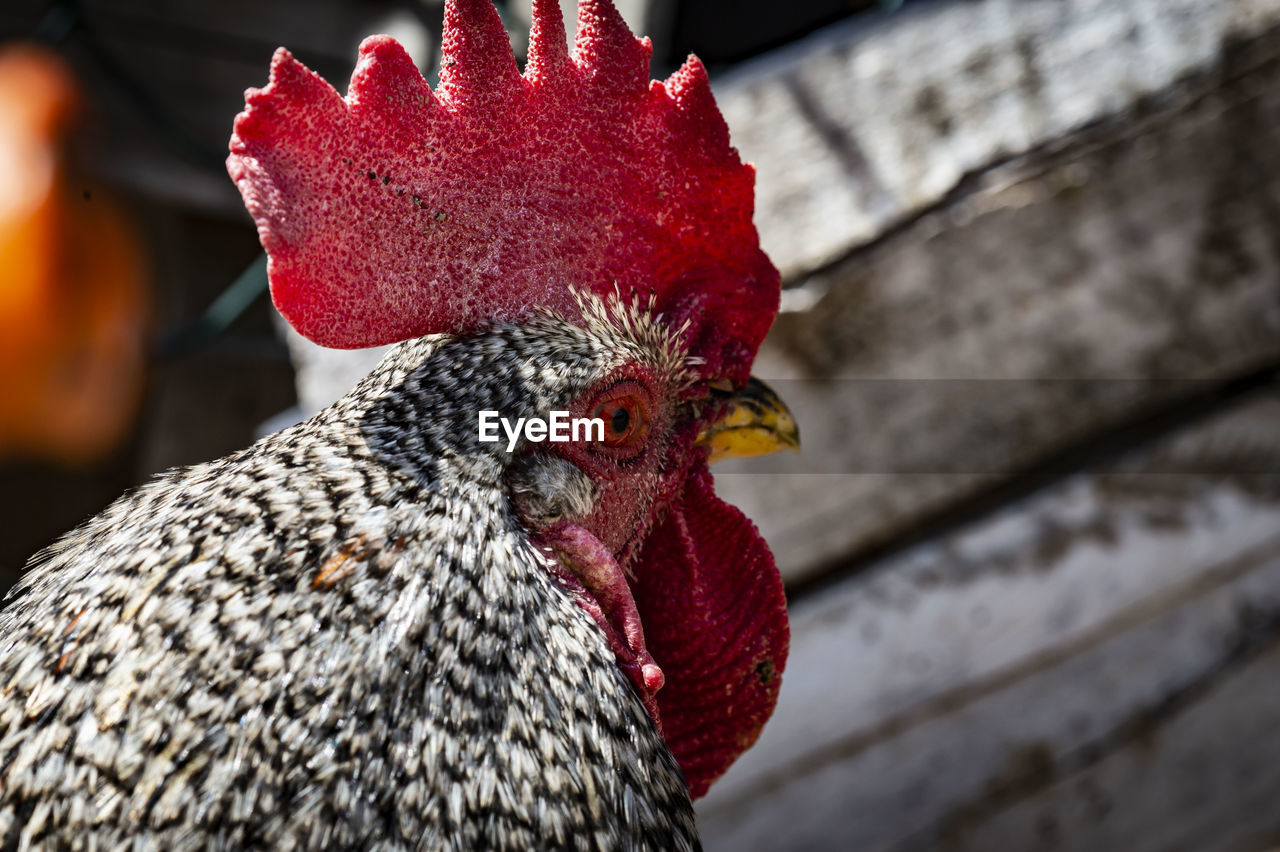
point(645, 336)
point(397, 211)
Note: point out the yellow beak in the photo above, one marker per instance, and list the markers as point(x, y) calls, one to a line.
point(756, 423)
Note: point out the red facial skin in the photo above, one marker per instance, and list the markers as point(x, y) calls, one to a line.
point(710, 616)
point(629, 479)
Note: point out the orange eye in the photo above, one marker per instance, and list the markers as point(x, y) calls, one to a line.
point(626, 419)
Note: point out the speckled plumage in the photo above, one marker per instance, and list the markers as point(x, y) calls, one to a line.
point(341, 636)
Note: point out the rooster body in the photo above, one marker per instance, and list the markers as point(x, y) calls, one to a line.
point(339, 636)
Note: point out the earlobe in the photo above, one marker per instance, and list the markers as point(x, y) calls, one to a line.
point(547, 489)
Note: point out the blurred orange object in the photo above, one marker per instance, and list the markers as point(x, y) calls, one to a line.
point(73, 283)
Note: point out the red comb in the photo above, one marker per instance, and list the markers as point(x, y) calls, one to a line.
point(398, 212)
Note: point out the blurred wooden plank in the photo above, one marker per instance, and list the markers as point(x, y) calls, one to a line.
point(867, 123)
point(926, 698)
point(1129, 260)
point(1204, 778)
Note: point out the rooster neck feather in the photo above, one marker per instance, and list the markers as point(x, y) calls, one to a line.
point(408, 657)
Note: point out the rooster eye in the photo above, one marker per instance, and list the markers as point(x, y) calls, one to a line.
point(626, 420)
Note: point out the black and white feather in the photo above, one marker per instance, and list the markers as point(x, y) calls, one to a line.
point(341, 637)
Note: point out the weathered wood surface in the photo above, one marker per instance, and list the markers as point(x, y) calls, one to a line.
point(1074, 672)
point(1136, 258)
point(1089, 668)
point(1208, 781)
point(866, 124)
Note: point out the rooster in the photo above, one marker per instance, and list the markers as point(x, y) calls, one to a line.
point(374, 628)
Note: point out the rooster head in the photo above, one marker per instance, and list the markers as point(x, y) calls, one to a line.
point(576, 197)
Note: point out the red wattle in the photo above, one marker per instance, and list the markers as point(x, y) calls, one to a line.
point(714, 611)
